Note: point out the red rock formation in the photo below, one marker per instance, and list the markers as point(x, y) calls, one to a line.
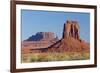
point(70, 41)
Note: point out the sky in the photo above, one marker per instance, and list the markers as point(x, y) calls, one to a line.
point(33, 21)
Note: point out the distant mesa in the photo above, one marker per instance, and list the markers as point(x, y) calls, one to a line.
point(42, 36)
point(39, 40)
point(47, 42)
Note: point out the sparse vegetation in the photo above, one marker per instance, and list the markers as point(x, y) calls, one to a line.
point(45, 57)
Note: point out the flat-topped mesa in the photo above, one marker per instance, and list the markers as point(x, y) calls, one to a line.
point(38, 42)
point(42, 36)
point(71, 29)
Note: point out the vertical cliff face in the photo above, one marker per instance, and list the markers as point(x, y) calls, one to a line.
point(71, 29)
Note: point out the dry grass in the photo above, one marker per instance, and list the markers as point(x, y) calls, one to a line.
point(45, 57)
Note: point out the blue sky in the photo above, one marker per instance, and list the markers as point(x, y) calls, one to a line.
point(33, 21)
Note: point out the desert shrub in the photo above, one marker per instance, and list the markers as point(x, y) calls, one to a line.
point(45, 57)
point(24, 59)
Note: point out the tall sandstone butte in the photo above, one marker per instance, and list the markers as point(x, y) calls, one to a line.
point(71, 29)
point(71, 41)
